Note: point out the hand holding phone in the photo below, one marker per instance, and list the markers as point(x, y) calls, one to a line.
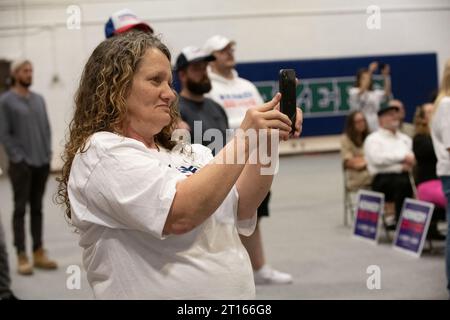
point(288, 103)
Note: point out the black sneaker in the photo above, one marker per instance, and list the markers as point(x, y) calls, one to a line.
point(390, 225)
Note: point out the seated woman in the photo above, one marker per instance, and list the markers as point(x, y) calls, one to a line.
point(352, 152)
point(429, 187)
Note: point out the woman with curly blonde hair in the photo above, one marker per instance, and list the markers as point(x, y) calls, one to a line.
point(157, 221)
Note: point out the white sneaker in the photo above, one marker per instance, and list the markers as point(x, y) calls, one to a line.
point(267, 275)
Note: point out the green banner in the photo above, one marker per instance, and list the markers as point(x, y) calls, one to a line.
point(319, 97)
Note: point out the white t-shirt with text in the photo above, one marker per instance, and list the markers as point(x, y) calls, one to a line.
point(235, 95)
point(121, 193)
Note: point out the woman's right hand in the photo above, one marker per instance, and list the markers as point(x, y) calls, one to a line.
point(268, 117)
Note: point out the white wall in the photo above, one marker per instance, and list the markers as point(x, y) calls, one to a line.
point(263, 29)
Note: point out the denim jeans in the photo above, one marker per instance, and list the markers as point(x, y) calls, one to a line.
point(446, 187)
point(28, 184)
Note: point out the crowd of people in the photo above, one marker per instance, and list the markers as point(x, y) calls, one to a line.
point(382, 152)
point(167, 219)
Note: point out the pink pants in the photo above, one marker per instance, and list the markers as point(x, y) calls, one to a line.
point(431, 191)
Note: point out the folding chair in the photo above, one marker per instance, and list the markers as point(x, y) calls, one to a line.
point(437, 211)
point(349, 203)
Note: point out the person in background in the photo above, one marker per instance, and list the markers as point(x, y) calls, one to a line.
point(365, 98)
point(440, 134)
point(194, 106)
point(5, 279)
point(25, 135)
point(405, 127)
point(352, 152)
point(429, 187)
point(390, 160)
point(125, 20)
point(236, 95)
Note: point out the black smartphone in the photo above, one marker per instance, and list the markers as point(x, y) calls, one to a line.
point(288, 85)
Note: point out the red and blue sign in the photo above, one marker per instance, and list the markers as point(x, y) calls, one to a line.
point(413, 226)
point(369, 208)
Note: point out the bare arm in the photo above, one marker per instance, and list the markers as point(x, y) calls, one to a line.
point(256, 178)
point(355, 163)
point(12, 147)
point(387, 80)
point(198, 196)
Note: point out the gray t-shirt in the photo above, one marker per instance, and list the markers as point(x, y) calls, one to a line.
point(24, 128)
point(211, 115)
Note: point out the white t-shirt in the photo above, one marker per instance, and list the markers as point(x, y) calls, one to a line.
point(236, 96)
point(385, 151)
point(368, 103)
point(121, 193)
point(440, 133)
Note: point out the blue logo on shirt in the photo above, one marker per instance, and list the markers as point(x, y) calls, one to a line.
point(190, 169)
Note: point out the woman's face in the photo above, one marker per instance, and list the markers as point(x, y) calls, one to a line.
point(365, 80)
point(359, 122)
point(428, 110)
point(151, 95)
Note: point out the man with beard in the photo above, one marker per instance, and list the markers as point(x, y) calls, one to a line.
point(390, 159)
point(200, 113)
point(25, 134)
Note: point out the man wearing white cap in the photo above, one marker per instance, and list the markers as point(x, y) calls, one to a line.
point(25, 134)
point(236, 95)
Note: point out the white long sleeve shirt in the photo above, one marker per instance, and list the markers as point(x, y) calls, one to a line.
point(385, 151)
point(440, 133)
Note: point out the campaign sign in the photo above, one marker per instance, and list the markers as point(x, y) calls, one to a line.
point(369, 208)
point(413, 226)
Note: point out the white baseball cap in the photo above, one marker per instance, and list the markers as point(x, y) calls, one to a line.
point(124, 20)
point(216, 43)
point(192, 54)
point(17, 64)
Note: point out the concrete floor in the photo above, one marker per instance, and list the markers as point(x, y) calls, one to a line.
point(304, 236)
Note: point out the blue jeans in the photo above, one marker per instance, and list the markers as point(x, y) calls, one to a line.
point(446, 187)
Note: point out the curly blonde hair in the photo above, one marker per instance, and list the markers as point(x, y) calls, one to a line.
point(100, 101)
